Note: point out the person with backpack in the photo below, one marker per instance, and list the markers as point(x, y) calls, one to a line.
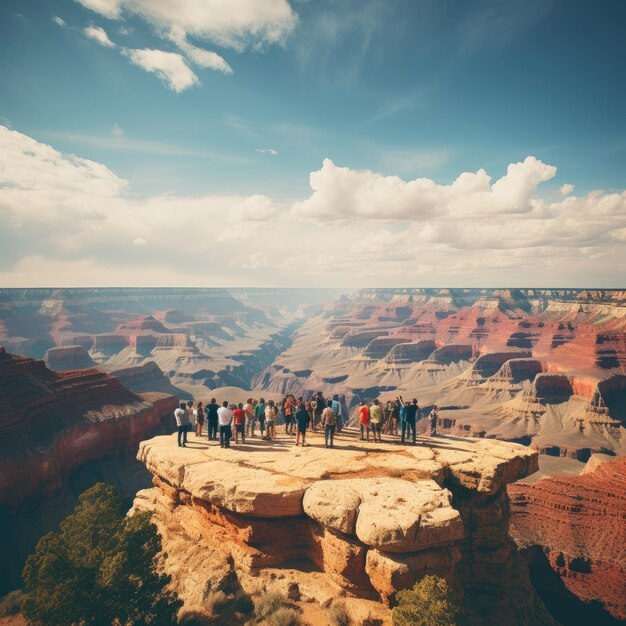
point(182, 423)
point(250, 417)
point(288, 410)
point(337, 409)
point(313, 408)
point(329, 422)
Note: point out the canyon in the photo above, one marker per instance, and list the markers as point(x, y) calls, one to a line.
point(86, 375)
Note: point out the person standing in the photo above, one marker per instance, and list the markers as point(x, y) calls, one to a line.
point(313, 408)
point(364, 420)
point(337, 410)
point(182, 422)
point(250, 417)
point(433, 417)
point(289, 409)
point(329, 422)
point(259, 414)
point(302, 421)
point(412, 415)
point(270, 419)
point(224, 419)
point(211, 416)
point(192, 415)
point(395, 417)
point(239, 419)
point(199, 419)
point(376, 418)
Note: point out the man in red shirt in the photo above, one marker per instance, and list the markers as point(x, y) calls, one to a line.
point(364, 419)
point(239, 419)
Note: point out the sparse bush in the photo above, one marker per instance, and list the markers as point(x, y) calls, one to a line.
point(11, 604)
point(429, 603)
point(284, 616)
point(242, 603)
point(267, 604)
point(338, 614)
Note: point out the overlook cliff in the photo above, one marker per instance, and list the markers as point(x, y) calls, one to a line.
point(60, 433)
point(364, 521)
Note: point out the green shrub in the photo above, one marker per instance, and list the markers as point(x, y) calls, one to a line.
point(429, 603)
point(100, 568)
point(11, 604)
point(338, 614)
point(267, 604)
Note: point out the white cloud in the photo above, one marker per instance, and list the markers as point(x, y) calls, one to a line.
point(99, 35)
point(59, 21)
point(73, 221)
point(199, 56)
point(108, 8)
point(340, 192)
point(117, 131)
point(267, 151)
point(566, 189)
point(170, 67)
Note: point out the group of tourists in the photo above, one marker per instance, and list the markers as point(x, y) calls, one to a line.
point(298, 416)
point(394, 415)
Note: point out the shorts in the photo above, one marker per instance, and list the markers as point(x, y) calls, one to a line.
point(302, 429)
point(239, 428)
point(375, 426)
point(269, 423)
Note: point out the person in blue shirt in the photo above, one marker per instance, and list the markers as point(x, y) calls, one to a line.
point(336, 406)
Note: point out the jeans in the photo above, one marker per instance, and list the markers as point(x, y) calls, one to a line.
point(407, 427)
point(329, 434)
point(250, 425)
point(365, 430)
point(182, 434)
point(225, 434)
point(339, 423)
point(212, 426)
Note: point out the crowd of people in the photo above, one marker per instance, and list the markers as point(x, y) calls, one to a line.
point(298, 418)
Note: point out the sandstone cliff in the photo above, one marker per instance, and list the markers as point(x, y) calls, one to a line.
point(59, 433)
point(364, 521)
point(577, 526)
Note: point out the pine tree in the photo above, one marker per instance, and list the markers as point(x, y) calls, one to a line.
point(101, 568)
point(429, 603)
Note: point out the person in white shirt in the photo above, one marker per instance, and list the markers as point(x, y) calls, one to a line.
point(182, 422)
point(224, 418)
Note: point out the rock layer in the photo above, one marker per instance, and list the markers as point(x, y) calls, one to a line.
point(372, 519)
point(579, 525)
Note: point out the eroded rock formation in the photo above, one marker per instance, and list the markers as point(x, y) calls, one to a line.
point(365, 521)
point(60, 432)
point(577, 526)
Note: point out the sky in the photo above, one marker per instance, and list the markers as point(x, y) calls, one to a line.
point(322, 143)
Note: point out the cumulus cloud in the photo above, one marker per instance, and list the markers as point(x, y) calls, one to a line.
point(340, 192)
point(59, 21)
point(69, 220)
point(236, 24)
point(170, 67)
point(99, 35)
point(566, 189)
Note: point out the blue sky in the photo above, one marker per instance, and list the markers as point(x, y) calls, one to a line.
point(409, 89)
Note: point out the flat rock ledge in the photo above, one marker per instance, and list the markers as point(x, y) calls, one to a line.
point(372, 518)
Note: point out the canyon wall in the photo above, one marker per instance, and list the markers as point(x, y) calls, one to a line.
point(573, 533)
point(357, 521)
point(59, 433)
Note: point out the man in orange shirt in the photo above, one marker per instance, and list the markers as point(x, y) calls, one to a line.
point(364, 419)
point(239, 419)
